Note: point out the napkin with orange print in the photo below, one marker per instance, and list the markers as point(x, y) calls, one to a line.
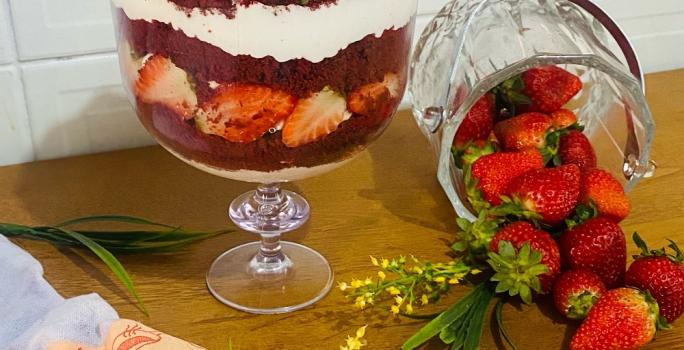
point(33, 316)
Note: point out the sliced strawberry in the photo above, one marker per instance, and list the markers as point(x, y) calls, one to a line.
point(129, 64)
point(161, 81)
point(376, 99)
point(244, 112)
point(315, 117)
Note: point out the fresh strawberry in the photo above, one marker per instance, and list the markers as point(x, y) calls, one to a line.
point(597, 245)
point(563, 118)
point(606, 193)
point(622, 319)
point(660, 274)
point(244, 112)
point(576, 291)
point(376, 99)
point(478, 123)
point(549, 195)
point(575, 148)
point(523, 271)
point(160, 81)
point(474, 237)
point(488, 178)
point(315, 117)
point(525, 131)
point(549, 88)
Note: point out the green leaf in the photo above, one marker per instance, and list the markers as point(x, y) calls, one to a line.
point(472, 341)
point(641, 244)
point(498, 315)
point(113, 218)
point(445, 319)
point(111, 262)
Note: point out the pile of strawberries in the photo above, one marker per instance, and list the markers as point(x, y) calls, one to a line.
point(549, 217)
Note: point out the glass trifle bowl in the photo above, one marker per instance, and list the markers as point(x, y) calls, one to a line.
point(267, 92)
point(474, 47)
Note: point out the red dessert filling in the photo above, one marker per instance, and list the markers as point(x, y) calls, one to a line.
point(240, 112)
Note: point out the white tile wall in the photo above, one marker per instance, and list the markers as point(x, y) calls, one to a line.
point(55, 28)
point(79, 106)
point(15, 134)
point(60, 53)
point(7, 54)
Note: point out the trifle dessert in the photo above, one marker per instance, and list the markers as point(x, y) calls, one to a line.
point(265, 90)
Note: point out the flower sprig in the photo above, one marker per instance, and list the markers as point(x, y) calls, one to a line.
point(356, 342)
point(406, 282)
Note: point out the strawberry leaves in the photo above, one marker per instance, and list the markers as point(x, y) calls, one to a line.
point(517, 272)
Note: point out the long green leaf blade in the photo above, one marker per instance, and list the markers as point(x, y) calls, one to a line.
point(500, 325)
point(472, 341)
point(111, 262)
point(445, 319)
point(113, 218)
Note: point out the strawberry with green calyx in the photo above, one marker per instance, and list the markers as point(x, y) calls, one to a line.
point(489, 176)
point(606, 193)
point(509, 95)
point(546, 195)
point(576, 291)
point(597, 245)
point(477, 124)
point(662, 275)
point(542, 89)
point(583, 212)
point(471, 152)
point(575, 148)
point(516, 269)
point(622, 319)
point(517, 272)
point(474, 237)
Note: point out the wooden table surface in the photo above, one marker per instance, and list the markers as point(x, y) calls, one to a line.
point(387, 202)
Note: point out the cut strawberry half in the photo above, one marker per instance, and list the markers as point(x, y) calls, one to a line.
point(376, 99)
point(161, 81)
point(129, 64)
point(315, 117)
point(244, 112)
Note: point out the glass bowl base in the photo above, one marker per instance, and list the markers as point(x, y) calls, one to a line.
point(237, 279)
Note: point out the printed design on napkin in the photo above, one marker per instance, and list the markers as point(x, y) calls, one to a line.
point(131, 335)
point(134, 337)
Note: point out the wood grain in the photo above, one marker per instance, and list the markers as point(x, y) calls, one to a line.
point(387, 202)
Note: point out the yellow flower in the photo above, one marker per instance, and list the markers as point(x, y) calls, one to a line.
point(399, 300)
point(454, 281)
point(439, 279)
point(395, 309)
point(368, 281)
point(342, 286)
point(382, 275)
point(393, 290)
point(409, 309)
point(424, 299)
point(475, 271)
point(374, 261)
point(385, 263)
point(361, 332)
point(356, 283)
point(360, 302)
point(428, 288)
point(417, 270)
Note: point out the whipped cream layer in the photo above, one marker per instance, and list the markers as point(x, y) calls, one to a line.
point(277, 176)
point(283, 32)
